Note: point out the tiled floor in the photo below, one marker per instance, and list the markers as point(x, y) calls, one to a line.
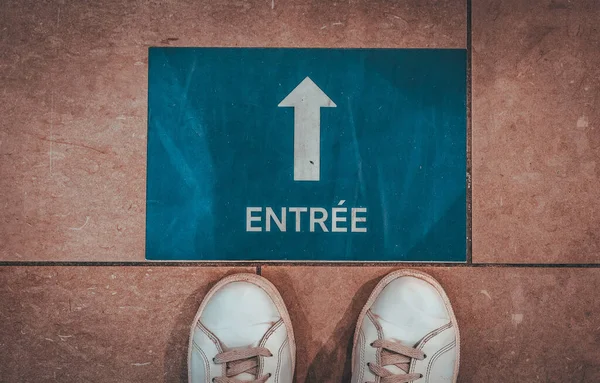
point(72, 163)
point(537, 324)
point(99, 324)
point(536, 134)
point(74, 96)
point(115, 324)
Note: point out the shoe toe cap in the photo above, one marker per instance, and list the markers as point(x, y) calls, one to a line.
point(408, 308)
point(239, 314)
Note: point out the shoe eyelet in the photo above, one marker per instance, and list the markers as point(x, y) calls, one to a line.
point(424, 356)
point(371, 344)
point(421, 376)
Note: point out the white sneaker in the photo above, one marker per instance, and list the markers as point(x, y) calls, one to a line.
point(242, 333)
point(407, 332)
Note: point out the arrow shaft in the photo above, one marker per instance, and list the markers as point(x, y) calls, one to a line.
point(307, 143)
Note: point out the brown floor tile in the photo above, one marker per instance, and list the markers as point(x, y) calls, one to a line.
point(99, 324)
point(536, 131)
point(530, 324)
point(73, 102)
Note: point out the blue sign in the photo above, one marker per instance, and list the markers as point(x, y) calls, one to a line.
point(306, 154)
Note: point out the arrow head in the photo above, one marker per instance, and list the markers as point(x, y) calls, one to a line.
point(307, 93)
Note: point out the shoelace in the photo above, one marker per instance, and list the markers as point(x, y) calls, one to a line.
point(394, 353)
point(240, 360)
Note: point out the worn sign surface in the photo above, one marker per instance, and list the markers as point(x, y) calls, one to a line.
point(306, 154)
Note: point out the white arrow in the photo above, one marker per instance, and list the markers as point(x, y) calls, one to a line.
point(307, 99)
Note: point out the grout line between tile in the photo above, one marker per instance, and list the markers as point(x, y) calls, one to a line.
point(469, 136)
point(259, 265)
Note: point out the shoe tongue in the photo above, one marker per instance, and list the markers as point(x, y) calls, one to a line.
point(241, 340)
point(394, 370)
point(245, 377)
point(408, 333)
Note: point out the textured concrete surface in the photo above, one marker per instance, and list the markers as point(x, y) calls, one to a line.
point(111, 324)
point(529, 324)
point(536, 131)
point(73, 100)
point(99, 324)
